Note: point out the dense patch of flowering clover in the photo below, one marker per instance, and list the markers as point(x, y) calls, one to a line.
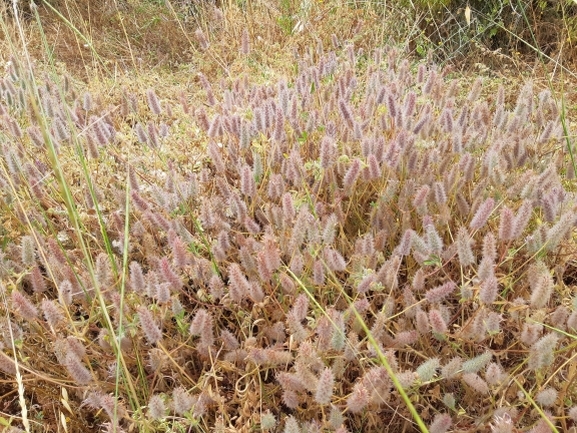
point(360, 195)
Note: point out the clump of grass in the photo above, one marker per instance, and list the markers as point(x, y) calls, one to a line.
point(364, 240)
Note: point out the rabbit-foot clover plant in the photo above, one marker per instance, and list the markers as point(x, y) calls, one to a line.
point(362, 239)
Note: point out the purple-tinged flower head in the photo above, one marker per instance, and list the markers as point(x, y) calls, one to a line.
point(202, 119)
point(279, 132)
point(268, 260)
point(245, 43)
point(438, 324)
point(560, 230)
point(404, 247)
point(506, 224)
point(494, 374)
point(169, 275)
point(215, 128)
point(318, 273)
point(238, 286)
point(329, 229)
point(214, 153)
point(65, 292)
point(559, 317)
point(439, 293)
point(406, 338)
point(180, 255)
point(162, 293)
point(156, 407)
point(79, 373)
point(202, 326)
point(163, 130)
point(182, 401)
point(452, 368)
point(292, 168)
point(434, 241)
point(138, 202)
point(420, 199)
point(430, 83)
point(572, 413)
point(441, 423)
point(7, 364)
point(28, 250)
point(366, 283)
point(418, 283)
point(530, 333)
point(328, 152)
point(467, 166)
point(522, 218)
point(421, 72)
point(409, 105)
point(489, 289)
point(547, 133)
point(358, 399)
point(202, 39)
point(325, 386)
point(334, 260)
point(391, 105)
point(52, 313)
point(464, 247)
point(87, 102)
point(486, 269)
point(288, 208)
point(541, 283)
point(446, 120)
point(439, 193)
point(490, 247)
point(216, 287)
point(351, 175)
point(393, 152)
point(153, 102)
point(140, 134)
point(542, 352)
point(293, 110)
point(101, 130)
point(346, 114)
point(547, 397)
point(476, 383)
point(422, 322)
point(291, 424)
point(137, 282)
point(60, 130)
point(475, 91)
point(207, 88)
point(388, 273)
point(103, 270)
point(153, 139)
point(251, 225)
point(275, 186)
point(482, 215)
point(300, 308)
point(367, 146)
point(247, 183)
point(13, 127)
point(148, 324)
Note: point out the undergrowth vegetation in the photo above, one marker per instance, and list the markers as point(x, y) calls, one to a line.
point(360, 242)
